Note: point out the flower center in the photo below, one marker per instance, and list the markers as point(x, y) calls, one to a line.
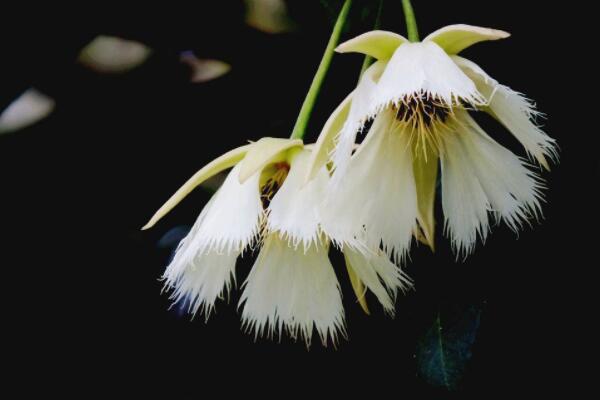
point(422, 111)
point(425, 119)
point(273, 183)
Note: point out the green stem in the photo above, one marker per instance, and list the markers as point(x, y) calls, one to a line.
point(309, 102)
point(411, 22)
point(368, 59)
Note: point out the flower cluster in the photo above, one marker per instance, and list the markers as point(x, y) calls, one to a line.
point(265, 202)
point(290, 201)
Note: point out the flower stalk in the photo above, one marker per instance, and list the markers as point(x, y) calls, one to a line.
point(309, 102)
point(411, 22)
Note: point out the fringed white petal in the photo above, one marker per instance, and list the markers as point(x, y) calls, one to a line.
point(232, 220)
point(424, 70)
point(198, 278)
point(360, 111)
point(455, 38)
point(293, 210)
point(514, 111)
point(379, 275)
point(295, 290)
point(464, 202)
point(513, 190)
point(374, 202)
point(479, 175)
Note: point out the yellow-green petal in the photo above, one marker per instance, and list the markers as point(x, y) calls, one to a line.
point(326, 141)
point(377, 44)
point(225, 161)
point(359, 288)
point(263, 152)
point(455, 38)
point(425, 167)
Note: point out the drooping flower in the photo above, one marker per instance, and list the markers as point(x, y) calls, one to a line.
point(417, 96)
point(265, 202)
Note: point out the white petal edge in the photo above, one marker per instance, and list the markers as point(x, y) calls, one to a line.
point(455, 38)
point(198, 279)
point(513, 190)
point(480, 176)
point(293, 211)
point(375, 202)
point(233, 218)
point(464, 201)
point(424, 70)
point(513, 110)
point(377, 44)
point(292, 290)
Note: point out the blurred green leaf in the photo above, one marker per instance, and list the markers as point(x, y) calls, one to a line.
point(444, 350)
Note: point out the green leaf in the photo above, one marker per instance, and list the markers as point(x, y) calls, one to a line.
point(444, 350)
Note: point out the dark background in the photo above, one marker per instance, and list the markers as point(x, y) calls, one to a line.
point(82, 304)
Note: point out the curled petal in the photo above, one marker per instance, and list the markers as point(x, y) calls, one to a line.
point(377, 44)
point(455, 38)
point(378, 274)
point(225, 161)
point(358, 287)
point(425, 167)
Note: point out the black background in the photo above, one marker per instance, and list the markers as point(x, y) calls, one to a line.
point(82, 304)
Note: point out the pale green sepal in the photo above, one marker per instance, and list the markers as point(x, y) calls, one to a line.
point(225, 161)
point(263, 152)
point(455, 38)
point(425, 167)
point(377, 44)
point(321, 151)
point(358, 286)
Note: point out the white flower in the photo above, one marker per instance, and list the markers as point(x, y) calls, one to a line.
point(204, 264)
point(417, 95)
point(292, 286)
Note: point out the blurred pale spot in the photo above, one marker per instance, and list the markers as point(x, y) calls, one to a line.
point(26, 110)
point(109, 54)
point(268, 16)
point(203, 70)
